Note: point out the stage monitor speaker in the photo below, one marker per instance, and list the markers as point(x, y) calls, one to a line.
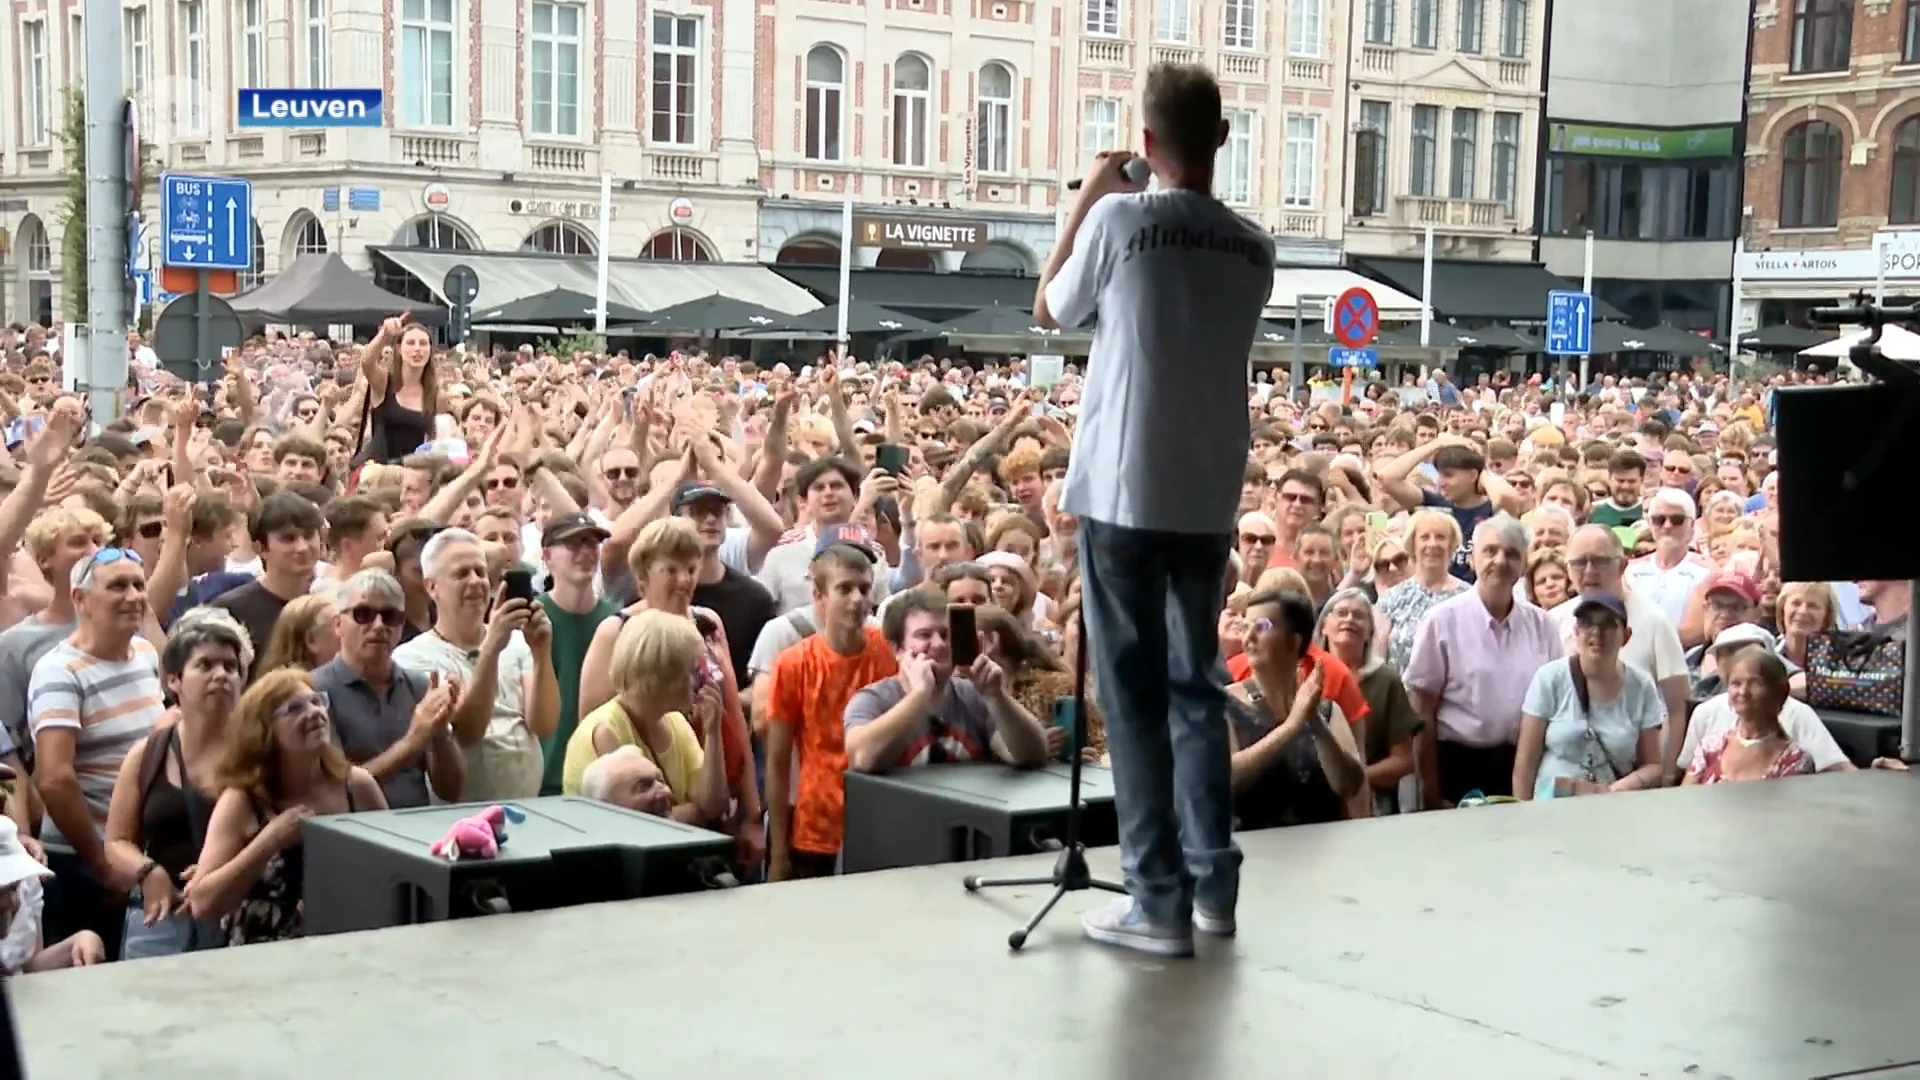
point(1845, 516)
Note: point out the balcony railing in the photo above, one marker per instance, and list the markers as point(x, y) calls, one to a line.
point(1105, 53)
point(248, 147)
point(680, 168)
point(1310, 226)
point(1175, 54)
point(310, 145)
point(1305, 71)
point(1243, 66)
point(1514, 73)
point(1376, 59)
point(1475, 214)
point(436, 150)
point(559, 159)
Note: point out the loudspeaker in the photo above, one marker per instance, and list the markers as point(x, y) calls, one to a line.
point(1847, 457)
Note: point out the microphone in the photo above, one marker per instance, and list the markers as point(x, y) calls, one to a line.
point(1136, 170)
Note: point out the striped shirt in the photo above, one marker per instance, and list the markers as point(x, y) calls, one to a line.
point(110, 704)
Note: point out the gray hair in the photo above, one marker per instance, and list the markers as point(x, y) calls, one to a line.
point(375, 584)
point(1341, 596)
point(435, 550)
point(1676, 498)
point(200, 626)
point(596, 782)
point(1550, 510)
point(1506, 529)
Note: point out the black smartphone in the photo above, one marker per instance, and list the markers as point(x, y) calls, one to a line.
point(964, 635)
point(891, 457)
point(519, 582)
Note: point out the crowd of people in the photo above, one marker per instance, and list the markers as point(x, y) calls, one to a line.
point(338, 579)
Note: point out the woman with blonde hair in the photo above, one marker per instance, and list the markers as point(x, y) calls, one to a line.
point(279, 768)
point(303, 635)
point(1560, 489)
point(1805, 608)
point(1549, 584)
point(653, 693)
point(1433, 536)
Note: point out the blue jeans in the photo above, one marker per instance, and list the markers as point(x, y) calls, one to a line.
point(1152, 606)
point(171, 936)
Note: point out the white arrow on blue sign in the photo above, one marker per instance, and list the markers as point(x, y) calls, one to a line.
point(206, 222)
point(1569, 323)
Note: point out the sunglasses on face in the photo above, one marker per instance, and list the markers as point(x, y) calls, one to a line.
point(622, 472)
point(1397, 562)
point(1666, 520)
point(507, 482)
point(150, 530)
point(367, 614)
point(1250, 539)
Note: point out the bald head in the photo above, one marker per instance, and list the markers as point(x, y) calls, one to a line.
point(1595, 559)
point(627, 778)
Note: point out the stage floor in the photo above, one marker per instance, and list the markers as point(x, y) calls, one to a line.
point(1750, 931)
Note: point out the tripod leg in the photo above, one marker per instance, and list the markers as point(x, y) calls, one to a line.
point(973, 883)
point(1019, 937)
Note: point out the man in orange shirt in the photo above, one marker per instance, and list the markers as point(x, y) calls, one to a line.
point(811, 684)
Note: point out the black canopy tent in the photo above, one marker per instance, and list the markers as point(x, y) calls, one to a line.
point(557, 306)
point(714, 316)
point(322, 290)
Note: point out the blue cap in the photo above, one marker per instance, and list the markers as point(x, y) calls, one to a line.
point(851, 535)
point(1605, 600)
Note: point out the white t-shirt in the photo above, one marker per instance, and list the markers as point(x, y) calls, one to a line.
point(1669, 589)
point(1716, 716)
point(1653, 647)
point(1178, 281)
point(506, 763)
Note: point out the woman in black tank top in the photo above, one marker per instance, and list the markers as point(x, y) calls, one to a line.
point(280, 768)
point(401, 404)
point(165, 792)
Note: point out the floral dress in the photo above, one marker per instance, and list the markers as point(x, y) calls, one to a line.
point(1404, 606)
point(1793, 760)
point(271, 910)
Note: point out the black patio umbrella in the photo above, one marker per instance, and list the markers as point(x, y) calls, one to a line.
point(1617, 337)
point(862, 318)
point(557, 306)
point(1784, 337)
point(714, 316)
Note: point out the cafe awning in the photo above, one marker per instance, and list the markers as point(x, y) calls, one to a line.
point(1312, 282)
point(1470, 290)
point(639, 283)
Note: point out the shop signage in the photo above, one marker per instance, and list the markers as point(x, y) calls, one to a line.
point(1661, 144)
point(559, 208)
point(920, 234)
point(1901, 251)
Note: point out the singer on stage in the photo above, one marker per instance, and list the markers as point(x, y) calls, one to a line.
point(1177, 282)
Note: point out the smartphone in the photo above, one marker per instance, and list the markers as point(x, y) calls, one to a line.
point(1376, 521)
point(964, 634)
point(891, 457)
point(1066, 717)
point(519, 583)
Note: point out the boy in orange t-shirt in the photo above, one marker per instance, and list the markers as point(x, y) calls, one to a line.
point(812, 682)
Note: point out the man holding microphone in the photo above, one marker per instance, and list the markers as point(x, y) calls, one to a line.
point(1177, 281)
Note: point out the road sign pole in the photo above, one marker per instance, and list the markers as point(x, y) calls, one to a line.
point(1586, 286)
point(1297, 369)
point(203, 323)
point(106, 180)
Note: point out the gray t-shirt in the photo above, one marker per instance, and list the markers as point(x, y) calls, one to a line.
point(961, 729)
point(1598, 743)
point(21, 647)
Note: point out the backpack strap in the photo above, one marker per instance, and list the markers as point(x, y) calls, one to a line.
point(153, 757)
point(801, 623)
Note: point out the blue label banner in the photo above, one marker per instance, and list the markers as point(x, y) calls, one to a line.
point(311, 108)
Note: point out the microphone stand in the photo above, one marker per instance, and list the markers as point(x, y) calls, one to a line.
point(1070, 872)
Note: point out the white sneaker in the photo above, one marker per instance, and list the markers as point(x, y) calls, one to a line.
point(1123, 923)
point(1208, 923)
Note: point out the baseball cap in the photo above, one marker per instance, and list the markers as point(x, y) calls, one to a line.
point(851, 535)
point(1735, 582)
point(571, 526)
point(1740, 634)
point(693, 491)
point(1605, 600)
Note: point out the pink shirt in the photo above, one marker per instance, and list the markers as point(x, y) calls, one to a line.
point(1480, 666)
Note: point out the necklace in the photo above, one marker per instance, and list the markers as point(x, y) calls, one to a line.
point(1749, 742)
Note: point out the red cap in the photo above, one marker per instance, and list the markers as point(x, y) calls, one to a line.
point(1735, 582)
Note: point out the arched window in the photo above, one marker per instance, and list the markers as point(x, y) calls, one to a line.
point(676, 245)
point(1810, 177)
point(255, 275)
point(438, 232)
point(826, 94)
point(993, 121)
point(312, 239)
point(1903, 202)
point(1822, 35)
point(560, 238)
point(912, 101)
point(809, 251)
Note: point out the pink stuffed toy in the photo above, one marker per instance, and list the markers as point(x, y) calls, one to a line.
point(478, 836)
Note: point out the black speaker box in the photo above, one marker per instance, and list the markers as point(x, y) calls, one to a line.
point(1847, 481)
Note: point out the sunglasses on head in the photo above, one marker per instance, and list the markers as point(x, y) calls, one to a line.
point(107, 556)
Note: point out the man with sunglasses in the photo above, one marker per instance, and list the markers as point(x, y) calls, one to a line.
point(92, 698)
point(389, 721)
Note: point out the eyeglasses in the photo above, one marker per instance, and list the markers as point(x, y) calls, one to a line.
point(314, 702)
point(1597, 624)
point(499, 482)
point(366, 614)
point(1299, 498)
point(622, 472)
point(1666, 520)
point(1397, 562)
point(1591, 562)
point(1251, 539)
point(150, 530)
point(106, 557)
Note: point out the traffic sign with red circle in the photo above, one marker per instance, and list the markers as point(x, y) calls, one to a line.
point(1356, 318)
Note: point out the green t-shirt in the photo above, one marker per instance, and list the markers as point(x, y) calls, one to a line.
point(1609, 513)
point(572, 634)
